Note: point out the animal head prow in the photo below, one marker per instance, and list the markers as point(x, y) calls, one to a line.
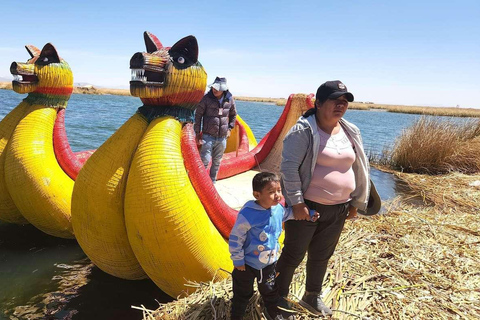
point(168, 76)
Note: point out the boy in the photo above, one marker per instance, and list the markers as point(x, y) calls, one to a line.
point(253, 245)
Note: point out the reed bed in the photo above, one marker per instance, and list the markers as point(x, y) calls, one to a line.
point(432, 111)
point(435, 111)
point(358, 106)
point(435, 146)
point(6, 85)
point(411, 262)
point(276, 101)
point(101, 91)
point(450, 194)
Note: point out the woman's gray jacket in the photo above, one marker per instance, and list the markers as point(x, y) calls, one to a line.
point(300, 151)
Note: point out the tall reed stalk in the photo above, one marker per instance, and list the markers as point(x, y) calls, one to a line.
point(435, 146)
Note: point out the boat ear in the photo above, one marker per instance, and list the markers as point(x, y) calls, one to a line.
point(32, 50)
point(188, 49)
point(48, 55)
point(151, 42)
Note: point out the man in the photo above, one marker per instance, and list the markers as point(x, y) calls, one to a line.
point(214, 119)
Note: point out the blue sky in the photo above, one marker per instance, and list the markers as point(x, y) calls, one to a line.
point(396, 52)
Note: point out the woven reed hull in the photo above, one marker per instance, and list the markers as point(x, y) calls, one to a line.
point(241, 130)
point(299, 103)
point(38, 186)
point(97, 203)
point(70, 162)
point(8, 210)
point(168, 228)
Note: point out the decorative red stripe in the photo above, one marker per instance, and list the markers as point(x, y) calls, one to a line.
point(70, 162)
point(63, 91)
point(231, 166)
point(178, 98)
point(222, 216)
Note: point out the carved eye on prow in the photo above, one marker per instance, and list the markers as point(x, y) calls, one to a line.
point(184, 53)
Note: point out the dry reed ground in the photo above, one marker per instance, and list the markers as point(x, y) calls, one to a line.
point(412, 262)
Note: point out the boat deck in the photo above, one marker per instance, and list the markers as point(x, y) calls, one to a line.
point(237, 190)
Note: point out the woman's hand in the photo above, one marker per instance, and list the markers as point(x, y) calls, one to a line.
point(301, 211)
point(352, 213)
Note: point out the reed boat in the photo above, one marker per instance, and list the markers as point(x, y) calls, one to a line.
point(37, 165)
point(143, 204)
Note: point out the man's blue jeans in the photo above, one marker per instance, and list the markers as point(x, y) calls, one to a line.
point(212, 149)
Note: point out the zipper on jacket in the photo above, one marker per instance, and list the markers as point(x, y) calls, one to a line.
point(220, 105)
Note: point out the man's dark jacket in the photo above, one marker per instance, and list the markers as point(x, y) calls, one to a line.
point(207, 113)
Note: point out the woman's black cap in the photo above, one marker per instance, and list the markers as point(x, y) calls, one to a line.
point(333, 90)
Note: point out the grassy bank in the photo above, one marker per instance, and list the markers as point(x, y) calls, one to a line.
point(101, 91)
point(6, 85)
point(434, 111)
point(434, 146)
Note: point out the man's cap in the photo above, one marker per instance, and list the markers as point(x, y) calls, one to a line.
point(333, 90)
point(374, 202)
point(220, 84)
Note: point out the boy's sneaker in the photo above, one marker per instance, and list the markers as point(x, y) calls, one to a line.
point(286, 309)
point(273, 314)
point(313, 303)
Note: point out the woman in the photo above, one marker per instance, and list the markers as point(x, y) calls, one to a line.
point(324, 168)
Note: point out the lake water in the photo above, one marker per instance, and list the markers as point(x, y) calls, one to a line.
point(43, 277)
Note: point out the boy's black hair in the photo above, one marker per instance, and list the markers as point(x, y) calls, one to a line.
point(262, 179)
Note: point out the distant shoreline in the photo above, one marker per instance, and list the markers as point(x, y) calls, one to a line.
point(436, 111)
point(126, 92)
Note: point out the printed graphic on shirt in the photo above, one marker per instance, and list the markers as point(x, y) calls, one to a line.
point(268, 256)
point(263, 236)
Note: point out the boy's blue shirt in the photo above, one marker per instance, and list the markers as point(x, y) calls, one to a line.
point(254, 237)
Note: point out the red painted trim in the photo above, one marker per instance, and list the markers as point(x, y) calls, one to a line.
point(61, 91)
point(222, 216)
point(232, 165)
point(82, 156)
point(178, 98)
point(70, 162)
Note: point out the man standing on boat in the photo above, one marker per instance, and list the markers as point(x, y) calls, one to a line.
point(214, 119)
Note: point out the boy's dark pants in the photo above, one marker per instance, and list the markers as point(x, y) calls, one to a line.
point(320, 239)
point(243, 288)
